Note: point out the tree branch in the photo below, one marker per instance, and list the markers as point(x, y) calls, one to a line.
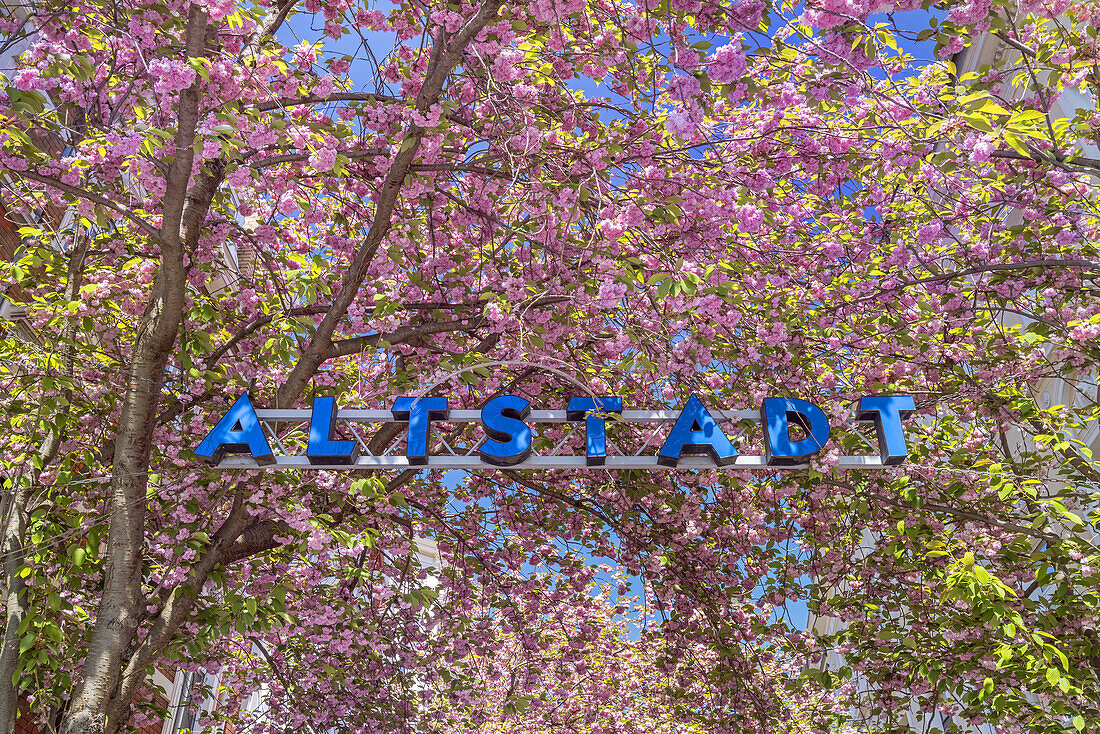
point(255, 538)
point(318, 349)
point(1081, 163)
point(277, 104)
point(1022, 48)
point(276, 16)
point(403, 335)
point(254, 325)
point(1048, 263)
point(952, 511)
point(95, 199)
point(298, 157)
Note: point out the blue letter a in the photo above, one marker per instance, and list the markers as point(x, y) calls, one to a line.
point(696, 432)
point(239, 431)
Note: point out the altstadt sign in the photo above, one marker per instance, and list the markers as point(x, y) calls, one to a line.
point(696, 440)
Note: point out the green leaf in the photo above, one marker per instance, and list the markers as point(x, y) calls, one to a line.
point(978, 121)
point(971, 100)
point(1023, 116)
point(990, 107)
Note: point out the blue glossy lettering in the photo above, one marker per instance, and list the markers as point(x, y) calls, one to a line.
point(323, 447)
point(593, 411)
point(509, 438)
point(887, 412)
point(696, 432)
point(419, 412)
point(238, 432)
point(776, 415)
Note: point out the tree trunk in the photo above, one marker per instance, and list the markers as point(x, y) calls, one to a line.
point(15, 600)
point(122, 604)
point(17, 512)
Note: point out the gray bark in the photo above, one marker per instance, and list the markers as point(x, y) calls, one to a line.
point(15, 601)
point(122, 603)
point(18, 508)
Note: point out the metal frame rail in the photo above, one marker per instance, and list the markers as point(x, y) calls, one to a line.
point(470, 460)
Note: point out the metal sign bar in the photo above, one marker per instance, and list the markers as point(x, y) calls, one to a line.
point(535, 461)
point(302, 415)
point(470, 460)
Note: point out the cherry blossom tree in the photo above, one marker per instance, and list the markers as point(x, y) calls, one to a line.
point(656, 199)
